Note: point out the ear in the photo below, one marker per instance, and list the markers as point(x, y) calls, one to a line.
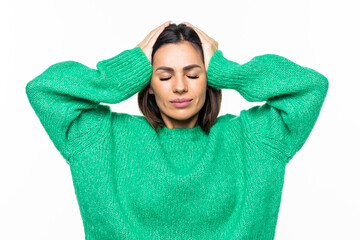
point(151, 90)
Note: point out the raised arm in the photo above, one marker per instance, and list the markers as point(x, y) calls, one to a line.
point(66, 97)
point(294, 96)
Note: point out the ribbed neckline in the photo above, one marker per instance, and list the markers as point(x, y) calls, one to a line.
point(181, 134)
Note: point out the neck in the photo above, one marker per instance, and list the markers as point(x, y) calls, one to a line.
point(174, 123)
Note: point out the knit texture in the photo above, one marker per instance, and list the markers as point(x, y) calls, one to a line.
point(133, 183)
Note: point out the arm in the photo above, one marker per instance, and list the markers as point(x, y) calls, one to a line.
point(66, 97)
point(294, 96)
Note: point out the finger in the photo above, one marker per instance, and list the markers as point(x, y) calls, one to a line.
point(157, 32)
point(152, 33)
point(203, 37)
point(197, 30)
point(159, 28)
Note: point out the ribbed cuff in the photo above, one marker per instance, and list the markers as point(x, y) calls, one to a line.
point(225, 74)
point(131, 69)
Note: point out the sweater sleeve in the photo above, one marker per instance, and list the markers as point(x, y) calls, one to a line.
point(66, 97)
point(294, 96)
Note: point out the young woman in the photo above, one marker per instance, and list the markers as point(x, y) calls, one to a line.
point(179, 171)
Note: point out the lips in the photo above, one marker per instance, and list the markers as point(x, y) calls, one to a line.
point(181, 103)
point(180, 100)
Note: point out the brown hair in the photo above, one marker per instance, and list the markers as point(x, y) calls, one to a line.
point(147, 103)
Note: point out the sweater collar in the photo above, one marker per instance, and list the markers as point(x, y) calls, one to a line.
point(181, 134)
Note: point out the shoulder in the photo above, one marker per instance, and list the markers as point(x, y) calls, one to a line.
point(227, 123)
point(131, 122)
point(233, 125)
point(228, 119)
point(223, 119)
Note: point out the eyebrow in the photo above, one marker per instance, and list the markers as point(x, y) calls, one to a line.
point(184, 68)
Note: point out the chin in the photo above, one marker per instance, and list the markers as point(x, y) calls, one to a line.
point(181, 118)
point(184, 116)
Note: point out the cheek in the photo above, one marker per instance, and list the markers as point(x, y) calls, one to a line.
point(203, 97)
point(154, 85)
point(160, 90)
point(200, 87)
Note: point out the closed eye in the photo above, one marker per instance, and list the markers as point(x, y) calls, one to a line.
point(192, 77)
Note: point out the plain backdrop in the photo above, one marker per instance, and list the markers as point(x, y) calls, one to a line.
point(321, 195)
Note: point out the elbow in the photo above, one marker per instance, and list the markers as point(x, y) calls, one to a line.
point(320, 88)
point(51, 72)
point(34, 86)
point(322, 84)
point(30, 87)
point(32, 90)
point(318, 80)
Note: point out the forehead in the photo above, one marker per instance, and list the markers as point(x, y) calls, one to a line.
point(177, 54)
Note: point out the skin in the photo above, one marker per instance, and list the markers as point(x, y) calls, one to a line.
point(177, 82)
point(181, 83)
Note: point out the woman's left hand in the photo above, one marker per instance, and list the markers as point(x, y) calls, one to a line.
point(209, 45)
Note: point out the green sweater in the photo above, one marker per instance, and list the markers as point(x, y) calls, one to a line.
point(133, 183)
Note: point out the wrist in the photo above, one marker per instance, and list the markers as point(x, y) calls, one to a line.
point(132, 62)
point(223, 73)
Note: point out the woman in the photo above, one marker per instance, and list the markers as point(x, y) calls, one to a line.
point(174, 80)
point(178, 172)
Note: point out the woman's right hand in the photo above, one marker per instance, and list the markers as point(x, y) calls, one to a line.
point(147, 44)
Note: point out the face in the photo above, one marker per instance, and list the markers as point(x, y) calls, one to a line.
point(178, 72)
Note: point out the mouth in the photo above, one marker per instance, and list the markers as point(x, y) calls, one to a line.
point(181, 102)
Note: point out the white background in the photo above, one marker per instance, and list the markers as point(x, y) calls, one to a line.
point(321, 192)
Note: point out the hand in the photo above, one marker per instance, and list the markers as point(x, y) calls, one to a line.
point(147, 44)
point(209, 45)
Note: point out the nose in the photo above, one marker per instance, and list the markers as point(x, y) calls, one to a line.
point(180, 84)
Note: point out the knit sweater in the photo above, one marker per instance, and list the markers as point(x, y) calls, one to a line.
point(134, 183)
